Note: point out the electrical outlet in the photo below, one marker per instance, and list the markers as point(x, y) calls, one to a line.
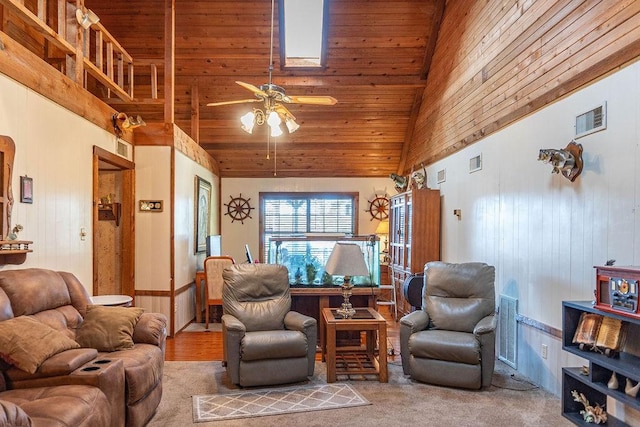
point(544, 351)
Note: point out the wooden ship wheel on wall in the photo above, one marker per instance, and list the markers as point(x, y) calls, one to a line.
point(379, 207)
point(239, 208)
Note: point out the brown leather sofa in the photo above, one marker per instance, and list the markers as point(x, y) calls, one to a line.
point(131, 379)
point(59, 406)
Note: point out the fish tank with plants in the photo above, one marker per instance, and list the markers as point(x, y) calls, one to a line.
point(306, 256)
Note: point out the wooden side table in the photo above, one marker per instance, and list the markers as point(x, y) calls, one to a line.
point(358, 360)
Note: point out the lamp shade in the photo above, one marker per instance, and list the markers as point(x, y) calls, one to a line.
point(346, 259)
point(383, 227)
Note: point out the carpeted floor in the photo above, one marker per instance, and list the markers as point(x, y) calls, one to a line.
point(401, 402)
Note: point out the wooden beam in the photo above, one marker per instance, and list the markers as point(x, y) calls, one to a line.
point(20, 64)
point(195, 112)
point(169, 60)
point(433, 37)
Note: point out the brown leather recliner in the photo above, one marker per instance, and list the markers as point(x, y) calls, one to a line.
point(60, 406)
point(131, 378)
point(451, 340)
point(264, 342)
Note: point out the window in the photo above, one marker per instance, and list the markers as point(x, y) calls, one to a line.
point(287, 214)
point(303, 33)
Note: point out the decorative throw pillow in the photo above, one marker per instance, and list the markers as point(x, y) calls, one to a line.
point(26, 342)
point(108, 328)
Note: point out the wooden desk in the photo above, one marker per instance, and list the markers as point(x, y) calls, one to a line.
point(355, 360)
point(306, 294)
point(199, 283)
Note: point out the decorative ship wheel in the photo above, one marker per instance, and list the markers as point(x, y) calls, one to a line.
point(238, 208)
point(379, 208)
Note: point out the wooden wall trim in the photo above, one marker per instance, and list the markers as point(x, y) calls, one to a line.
point(171, 135)
point(555, 332)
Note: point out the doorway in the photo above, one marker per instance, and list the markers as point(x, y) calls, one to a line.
point(113, 224)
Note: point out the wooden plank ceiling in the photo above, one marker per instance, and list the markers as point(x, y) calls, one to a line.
point(378, 57)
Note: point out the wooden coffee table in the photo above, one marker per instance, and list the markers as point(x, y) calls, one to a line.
point(355, 360)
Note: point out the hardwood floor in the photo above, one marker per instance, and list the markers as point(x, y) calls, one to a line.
point(202, 346)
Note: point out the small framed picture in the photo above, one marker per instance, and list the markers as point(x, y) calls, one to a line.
point(26, 189)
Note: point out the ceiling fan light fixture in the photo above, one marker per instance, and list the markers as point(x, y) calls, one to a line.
point(275, 131)
point(248, 122)
point(274, 119)
point(291, 124)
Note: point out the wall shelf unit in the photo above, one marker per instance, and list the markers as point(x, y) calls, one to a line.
point(626, 364)
point(110, 212)
point(14, 251)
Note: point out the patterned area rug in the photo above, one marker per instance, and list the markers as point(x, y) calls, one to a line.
point(275, 401)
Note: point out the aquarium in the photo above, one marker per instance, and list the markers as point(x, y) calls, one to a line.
point(306, 256)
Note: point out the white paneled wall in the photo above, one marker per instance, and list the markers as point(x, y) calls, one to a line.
point(235, 235)
point(55, 148)
point(153, 229)
point(186, 260)
point(544, 233)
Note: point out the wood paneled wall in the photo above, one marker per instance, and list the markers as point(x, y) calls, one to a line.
point(498, 61)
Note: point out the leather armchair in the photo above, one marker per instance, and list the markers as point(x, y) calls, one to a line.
point(451, 340)
point(264, 342)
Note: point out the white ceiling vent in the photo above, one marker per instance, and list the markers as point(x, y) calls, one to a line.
point(475, 163)
point(442, 175)
point(592, 121)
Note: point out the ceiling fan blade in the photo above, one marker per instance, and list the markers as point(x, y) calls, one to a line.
point(316, 100)
point(282, 110)
point(240, 101)
point(253, 89)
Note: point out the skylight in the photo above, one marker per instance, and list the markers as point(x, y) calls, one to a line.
point(301, 23)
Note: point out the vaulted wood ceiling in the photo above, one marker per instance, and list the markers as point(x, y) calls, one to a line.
point(378, 58)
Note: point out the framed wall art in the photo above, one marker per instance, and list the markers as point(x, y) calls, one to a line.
point(202, 214)
point(26, 189)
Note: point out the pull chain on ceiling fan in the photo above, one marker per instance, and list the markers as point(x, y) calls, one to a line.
point(272, 96)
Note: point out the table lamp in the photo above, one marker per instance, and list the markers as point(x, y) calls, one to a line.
point(383, 230)
point(346, 260)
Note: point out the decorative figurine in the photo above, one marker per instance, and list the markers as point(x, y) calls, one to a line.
point(613, 382)
point(401, 183)
point(590, 414)
point(567, 161)
point(630, 389)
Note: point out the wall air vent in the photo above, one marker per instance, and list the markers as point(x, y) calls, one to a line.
point(442, 175)
point(475, 163)
point(123, 149)
point(592, 121)
point(507, 330)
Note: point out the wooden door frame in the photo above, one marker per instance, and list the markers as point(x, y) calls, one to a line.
point(127, 220)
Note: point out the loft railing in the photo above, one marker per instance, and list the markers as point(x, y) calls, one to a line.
point(80, 52)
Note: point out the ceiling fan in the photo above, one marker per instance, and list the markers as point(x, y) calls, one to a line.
point(272, 97)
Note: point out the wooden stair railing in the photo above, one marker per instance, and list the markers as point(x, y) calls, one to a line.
point(95, 52)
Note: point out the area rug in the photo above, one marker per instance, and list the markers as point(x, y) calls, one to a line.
point(509, 401)
point(275, 401)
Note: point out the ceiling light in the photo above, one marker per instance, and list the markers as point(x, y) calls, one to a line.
point(86, 19)
point(292, 126)
point(248, 122)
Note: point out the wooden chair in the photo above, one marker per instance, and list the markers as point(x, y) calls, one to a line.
point(213, 267)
